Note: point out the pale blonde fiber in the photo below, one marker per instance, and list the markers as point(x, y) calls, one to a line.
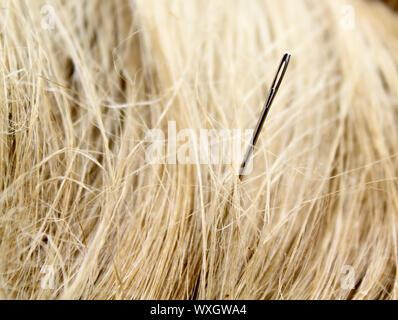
point(83, 215)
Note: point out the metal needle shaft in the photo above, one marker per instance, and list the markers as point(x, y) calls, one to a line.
point(267, 106)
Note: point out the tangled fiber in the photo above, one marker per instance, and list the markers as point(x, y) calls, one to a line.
point(84, 215)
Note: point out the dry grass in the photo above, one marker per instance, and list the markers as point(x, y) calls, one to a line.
point(78, 198)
